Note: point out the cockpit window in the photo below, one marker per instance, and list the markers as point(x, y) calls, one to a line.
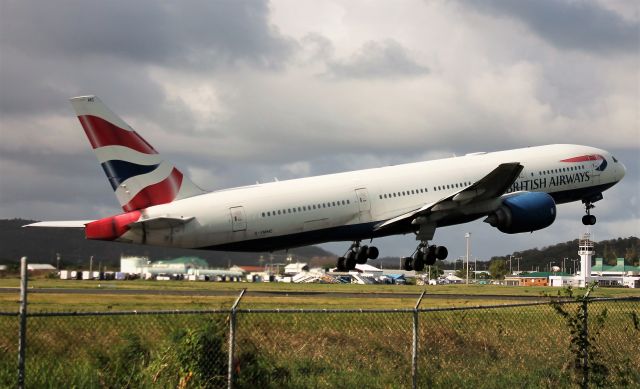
point(614, 159)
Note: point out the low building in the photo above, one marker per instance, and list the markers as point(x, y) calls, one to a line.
point(295, 268)
point(368, 269)
point(40, 268)
point(618, 275)
point(619, 269)
point(540, 278)
point(248, 269)
point(133, 264)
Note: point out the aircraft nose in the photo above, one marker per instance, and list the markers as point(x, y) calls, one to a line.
point(623, 171)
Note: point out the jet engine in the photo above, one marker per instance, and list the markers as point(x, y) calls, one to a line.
point(525, 212)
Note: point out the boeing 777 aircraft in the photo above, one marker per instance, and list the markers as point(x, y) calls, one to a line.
point(514, 190)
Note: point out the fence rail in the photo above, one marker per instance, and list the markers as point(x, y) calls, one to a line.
point(527, 344)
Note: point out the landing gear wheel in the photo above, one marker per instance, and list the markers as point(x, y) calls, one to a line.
point(418, 261)
point(350, 261)
point(429, 254)
point(340, 266)
point(407, 263)
point(588, 220)
point(429, 259)
point(373, 252)
point(362, 255)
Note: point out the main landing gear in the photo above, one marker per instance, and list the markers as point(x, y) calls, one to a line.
point(588, 219)
point(424, 255)
point(356, 255)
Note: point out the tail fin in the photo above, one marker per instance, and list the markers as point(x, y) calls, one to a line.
point(139, 176)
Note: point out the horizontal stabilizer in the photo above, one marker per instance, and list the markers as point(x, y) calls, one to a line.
point(161, 222)
point(61, 224)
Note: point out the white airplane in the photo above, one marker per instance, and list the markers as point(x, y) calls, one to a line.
point(515, 190)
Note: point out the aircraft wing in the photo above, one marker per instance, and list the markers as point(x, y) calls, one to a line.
point(489, 187)
point(61, 224)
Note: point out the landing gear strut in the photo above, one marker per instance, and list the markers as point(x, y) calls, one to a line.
point(588, 219)
point(425, 255)
point(356, 255)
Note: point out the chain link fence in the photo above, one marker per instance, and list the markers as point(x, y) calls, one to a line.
point(523, 345)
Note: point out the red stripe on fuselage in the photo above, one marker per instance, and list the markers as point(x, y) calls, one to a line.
point(583, 158)
point(103, 133)
point(162, 192)
point(112, 227)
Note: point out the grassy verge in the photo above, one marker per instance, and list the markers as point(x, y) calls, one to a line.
point(122, 302)
point(267, 287)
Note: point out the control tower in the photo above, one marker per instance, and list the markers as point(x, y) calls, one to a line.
point(586, 250)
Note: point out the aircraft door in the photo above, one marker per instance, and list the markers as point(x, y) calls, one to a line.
point(364, 205)
point(363, 200)
point(238, 219)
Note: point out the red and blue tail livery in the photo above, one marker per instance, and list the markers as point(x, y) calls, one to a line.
point(138, 175)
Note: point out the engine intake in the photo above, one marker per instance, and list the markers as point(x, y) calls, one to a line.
point(524, 212)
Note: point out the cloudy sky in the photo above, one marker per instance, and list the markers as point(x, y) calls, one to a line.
point(236, 92)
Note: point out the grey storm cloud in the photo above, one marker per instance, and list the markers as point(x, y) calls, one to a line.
point(147, 31)
point(580, 25)
point(54, 49)
point(387, 59)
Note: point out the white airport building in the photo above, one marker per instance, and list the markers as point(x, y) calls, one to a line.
point(618, 275)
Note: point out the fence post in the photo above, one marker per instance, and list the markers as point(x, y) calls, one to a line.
point(232, 338)
point(585, 344)
point(22, 338)
point(414, 353)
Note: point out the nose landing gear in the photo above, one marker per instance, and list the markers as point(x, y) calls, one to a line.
point(588, 219)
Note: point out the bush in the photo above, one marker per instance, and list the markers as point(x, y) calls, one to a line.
point(124, 367)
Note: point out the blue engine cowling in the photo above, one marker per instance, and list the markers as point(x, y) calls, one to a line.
point(524, 212)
